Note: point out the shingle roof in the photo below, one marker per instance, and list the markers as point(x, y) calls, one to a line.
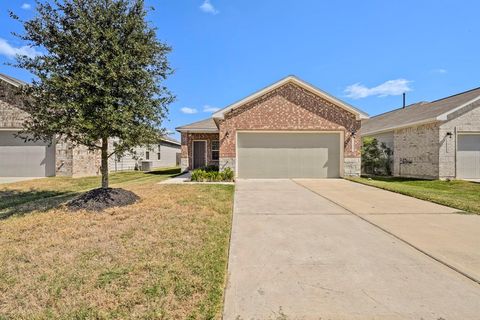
point(206, 125)
point(11, 80)
point(417, 113)
point(171, 140)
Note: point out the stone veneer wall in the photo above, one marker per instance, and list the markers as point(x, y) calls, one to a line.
point(76, 161)
point(85, 162)
point(186, 161)
point(466, 120)
point(291, 107)
point(416, 151)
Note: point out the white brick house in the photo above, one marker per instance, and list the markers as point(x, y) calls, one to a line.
point(432, 140)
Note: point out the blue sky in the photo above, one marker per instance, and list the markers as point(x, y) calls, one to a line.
point(364, 52)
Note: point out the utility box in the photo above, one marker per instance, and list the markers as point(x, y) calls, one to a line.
point(146, 165)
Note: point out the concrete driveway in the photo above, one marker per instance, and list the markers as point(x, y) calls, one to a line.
point(306, 250)
point(16, 179)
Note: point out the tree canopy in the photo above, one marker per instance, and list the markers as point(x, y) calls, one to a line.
point(100, 75)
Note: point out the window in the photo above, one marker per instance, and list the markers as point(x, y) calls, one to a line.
point(147, 155)
point(159, 156)
point(215, 150)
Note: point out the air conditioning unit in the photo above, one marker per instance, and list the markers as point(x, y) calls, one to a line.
point(146, 165)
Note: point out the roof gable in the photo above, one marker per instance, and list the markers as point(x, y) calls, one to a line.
point(292, 79)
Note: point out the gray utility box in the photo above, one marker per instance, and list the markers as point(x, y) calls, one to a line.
point(146, 165)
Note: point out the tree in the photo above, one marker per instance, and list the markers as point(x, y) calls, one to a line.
point(376, 158)
point(99, 77)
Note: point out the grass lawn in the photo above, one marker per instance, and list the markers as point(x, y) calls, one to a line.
point(162, 258)
point(463, 195)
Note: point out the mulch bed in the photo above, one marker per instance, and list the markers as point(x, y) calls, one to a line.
point(101, 199)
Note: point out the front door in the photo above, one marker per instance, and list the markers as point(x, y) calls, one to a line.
point(199, 154)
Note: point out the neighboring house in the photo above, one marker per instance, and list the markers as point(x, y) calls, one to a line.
point(434, 140)
point(164, 154)
point(39, 159)
point(287, 130)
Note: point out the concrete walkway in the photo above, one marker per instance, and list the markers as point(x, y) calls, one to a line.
point(297, 253)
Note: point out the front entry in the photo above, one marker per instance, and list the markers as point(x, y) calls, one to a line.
point(199, 154)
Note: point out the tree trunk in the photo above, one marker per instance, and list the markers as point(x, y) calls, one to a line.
point(104, 167)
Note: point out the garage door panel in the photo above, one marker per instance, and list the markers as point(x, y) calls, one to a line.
point(468, 156)
point(288, 155)
point(20, 159)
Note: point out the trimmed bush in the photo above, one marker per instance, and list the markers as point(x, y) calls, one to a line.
point(209, 174)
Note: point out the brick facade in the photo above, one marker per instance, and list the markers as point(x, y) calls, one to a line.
point(186, 162)
point(286, 108)
point(427, 151)
point(11, 116)
point(416, 151)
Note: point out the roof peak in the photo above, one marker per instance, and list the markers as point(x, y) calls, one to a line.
point(305, 85)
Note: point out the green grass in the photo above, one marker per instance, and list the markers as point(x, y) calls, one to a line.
point(164, 257)
point(463, 195)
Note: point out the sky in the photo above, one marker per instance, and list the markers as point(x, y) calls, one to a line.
point(366, 53)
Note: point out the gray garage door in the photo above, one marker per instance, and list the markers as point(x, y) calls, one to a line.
point(288, 155)
point(25, 159)
point(468, 156)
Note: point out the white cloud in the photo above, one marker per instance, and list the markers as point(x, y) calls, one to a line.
point(187, 110)
point(388, 88)
point(10, 51)
point(208, 7)
point(208, 108)
point(26, 6)
point(440, 71)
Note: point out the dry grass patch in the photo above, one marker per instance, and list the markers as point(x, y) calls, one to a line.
point(162, 258)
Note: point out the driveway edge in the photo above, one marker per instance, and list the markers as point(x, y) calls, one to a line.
point(470, 277)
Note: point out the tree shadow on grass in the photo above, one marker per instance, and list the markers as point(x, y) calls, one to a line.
point(172, 171)
point(18, 202)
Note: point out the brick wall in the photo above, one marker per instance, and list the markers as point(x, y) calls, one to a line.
point(187, 152)
point(416, 151)
point(11, 116)
point(291, 107)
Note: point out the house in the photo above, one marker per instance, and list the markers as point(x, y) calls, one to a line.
point(41, 159)
point(433, 140)
point(164, 154)
point(290, 129)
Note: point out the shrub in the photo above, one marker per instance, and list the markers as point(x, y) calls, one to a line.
point(209, 174)
point(376, 159)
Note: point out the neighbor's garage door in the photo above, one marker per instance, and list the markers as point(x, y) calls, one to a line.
point(288, 155)
point(468, 156)
point(25, 159)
